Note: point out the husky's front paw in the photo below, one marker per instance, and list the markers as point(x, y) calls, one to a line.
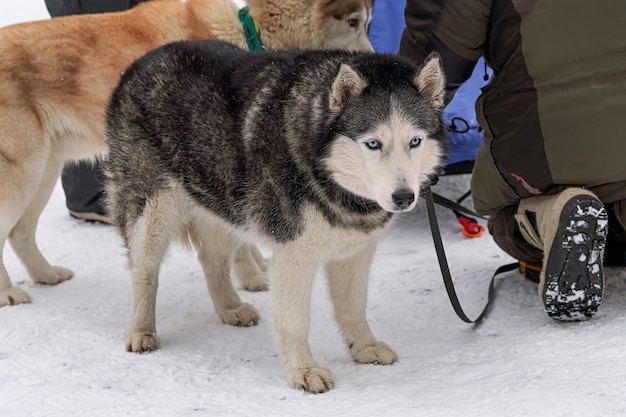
point(242, 316)
point(12, 296)
point(55, 276)
point(315, 379)
point(141, 342)
point(379, 354)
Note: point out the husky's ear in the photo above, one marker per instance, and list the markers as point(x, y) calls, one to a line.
point(348, 83)
point(431, 81)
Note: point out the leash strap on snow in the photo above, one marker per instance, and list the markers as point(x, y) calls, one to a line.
point(445, 202)
point(445, 270)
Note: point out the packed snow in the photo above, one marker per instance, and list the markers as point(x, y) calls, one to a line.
point(63, 354)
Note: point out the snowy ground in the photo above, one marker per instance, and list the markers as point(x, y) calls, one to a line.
point(63, 355)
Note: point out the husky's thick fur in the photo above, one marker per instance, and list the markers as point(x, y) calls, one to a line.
point(309, 153)
point(57, 75)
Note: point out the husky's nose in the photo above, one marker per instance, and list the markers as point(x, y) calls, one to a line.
point(403, 198)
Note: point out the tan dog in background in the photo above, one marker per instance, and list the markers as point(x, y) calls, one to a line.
point(56, 77)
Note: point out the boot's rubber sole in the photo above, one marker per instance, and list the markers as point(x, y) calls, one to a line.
point(573, 277)
point(90, 217)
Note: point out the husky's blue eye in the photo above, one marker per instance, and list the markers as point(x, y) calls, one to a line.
point(415, 142)
point(373, 144)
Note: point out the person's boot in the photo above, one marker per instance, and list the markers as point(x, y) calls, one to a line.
point(571, 229)
point(83, 184)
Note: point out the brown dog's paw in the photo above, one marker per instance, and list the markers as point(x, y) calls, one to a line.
point(12, 296)
point(256, 283)
point(251, 269)
point(314, 379)
point(142, 342)
point(56, 275)
point(242, 316)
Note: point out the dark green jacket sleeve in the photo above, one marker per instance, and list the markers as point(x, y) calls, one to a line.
point(456, 29)
point(421, 17)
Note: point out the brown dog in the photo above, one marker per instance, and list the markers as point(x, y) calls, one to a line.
point(56, 77)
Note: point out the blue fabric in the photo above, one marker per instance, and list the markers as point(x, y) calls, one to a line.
point(385, 32)
point(459, 115)
point(387, 25)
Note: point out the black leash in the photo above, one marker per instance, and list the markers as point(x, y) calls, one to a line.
point(445, 270)
point(445, 202)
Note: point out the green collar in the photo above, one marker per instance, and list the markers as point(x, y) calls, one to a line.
point(249, 27)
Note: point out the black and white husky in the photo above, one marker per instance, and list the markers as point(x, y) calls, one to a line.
point(307, 153)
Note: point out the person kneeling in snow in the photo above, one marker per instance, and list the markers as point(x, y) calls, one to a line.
point(550, 172)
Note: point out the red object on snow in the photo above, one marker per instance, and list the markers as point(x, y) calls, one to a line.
point(470, 229)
